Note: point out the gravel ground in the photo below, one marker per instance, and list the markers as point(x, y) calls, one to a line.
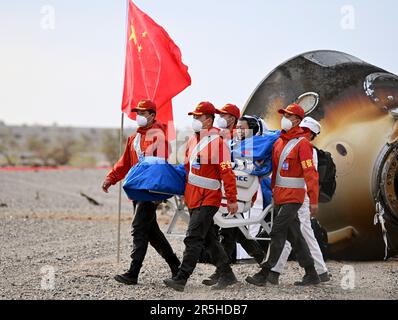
point(49, 228)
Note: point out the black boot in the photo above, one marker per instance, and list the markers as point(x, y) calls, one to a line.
point(131, 276)
point(213, 279)
point(174, 264)
point(226, 279)
point(177, 283)
point(259, 279)
point(310, 278)
point(324, 277)
point(273, 278)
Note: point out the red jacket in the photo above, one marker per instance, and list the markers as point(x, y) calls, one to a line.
point(153, 143)
point(299, 165)
point(215, 164)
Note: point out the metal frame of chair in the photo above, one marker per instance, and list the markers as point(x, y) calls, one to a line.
point(180, 213)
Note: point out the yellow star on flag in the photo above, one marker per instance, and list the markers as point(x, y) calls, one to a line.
point(133, 35)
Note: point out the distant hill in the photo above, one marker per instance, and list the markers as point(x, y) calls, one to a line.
point(39, 145)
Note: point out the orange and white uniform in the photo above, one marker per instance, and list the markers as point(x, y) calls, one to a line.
point(214, 163)
point(299, 164)
point(152, 142)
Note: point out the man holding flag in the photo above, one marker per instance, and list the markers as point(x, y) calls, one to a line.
point(148, 141)
point(154, 74)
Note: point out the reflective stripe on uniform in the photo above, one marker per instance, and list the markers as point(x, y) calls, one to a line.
point(287, 182)
point(196, 180)
point(137, 146)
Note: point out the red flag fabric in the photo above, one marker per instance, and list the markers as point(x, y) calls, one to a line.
point(154, 69)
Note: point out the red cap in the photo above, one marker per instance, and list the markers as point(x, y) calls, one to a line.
point(145, 105)
point(230, 109)
point(293, 109)
point(203, 108)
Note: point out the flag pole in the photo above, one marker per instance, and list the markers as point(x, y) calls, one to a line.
point(119, 214)
point(120, 190)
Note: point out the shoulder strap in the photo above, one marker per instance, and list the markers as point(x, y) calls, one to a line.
point(197, 180)
point(287, 149)
point(200, 146)
point(288, 182)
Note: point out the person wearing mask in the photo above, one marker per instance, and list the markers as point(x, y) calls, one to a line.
point(150, 140)
point(227, 120)
point(293, 175)
point(207, 164)
point(313, 128)
point(231, 236)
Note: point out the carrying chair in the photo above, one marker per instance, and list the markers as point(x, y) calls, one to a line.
point(247, 186)
point(181, 213)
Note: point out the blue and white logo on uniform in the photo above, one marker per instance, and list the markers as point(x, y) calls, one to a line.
point(285, 166)
point(196, 165)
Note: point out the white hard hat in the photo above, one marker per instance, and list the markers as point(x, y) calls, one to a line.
point(311, 124)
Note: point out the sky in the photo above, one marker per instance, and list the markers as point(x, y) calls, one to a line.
point(63, 61)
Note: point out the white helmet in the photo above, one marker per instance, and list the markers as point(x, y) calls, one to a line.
point(262, 126)
point(311, 124)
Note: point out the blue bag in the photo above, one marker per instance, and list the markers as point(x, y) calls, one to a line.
point(154, 179)
point(258, 148)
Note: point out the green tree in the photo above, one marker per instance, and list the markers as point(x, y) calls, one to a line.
point(63, 151)
point(84, 143)
point(8, 146)
point(110, 145)
point(40, 148)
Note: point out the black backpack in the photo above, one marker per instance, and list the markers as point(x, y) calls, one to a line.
point(327, 175)
point(321, 237)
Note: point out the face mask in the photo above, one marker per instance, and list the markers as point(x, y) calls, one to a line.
point(197, 125)
point(286, 124)
point(141, 121)
point(222, 123)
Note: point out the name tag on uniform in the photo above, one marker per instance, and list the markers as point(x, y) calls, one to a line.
point(285, 165)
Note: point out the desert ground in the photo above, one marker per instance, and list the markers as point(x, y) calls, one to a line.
point(56, 244)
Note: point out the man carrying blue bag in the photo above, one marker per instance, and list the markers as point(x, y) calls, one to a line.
point(154, 179)
point(150, 140)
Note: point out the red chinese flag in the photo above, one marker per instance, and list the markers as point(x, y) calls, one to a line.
point(154, 69)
